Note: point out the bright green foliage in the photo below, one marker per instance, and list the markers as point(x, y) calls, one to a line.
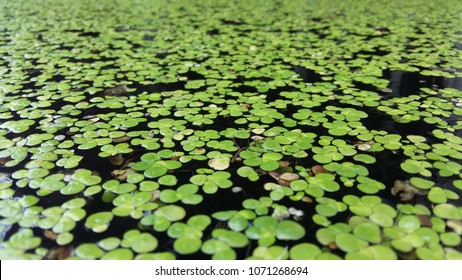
point(229, 129)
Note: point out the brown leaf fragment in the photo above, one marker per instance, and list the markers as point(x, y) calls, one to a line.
point(50, 234)
point(155, 195)
point(406, 190)
point(257, 138)
point(60, 253)
point(456, 226)
point(332, 245)
point(319, 169)
point(259, 171)
point(296, 212)
point(116, 91)
point(424, 220)
point(4, 160)
point(284, 183)
point(307, 199)
point(124, 138)
point(271, 186)
point(286, 178)
point(87, 117)
point(116, 159)
point(275, 174)
point(121, 174)
point(364, 146)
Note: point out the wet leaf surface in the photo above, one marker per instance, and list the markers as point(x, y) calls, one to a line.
point(229, 130)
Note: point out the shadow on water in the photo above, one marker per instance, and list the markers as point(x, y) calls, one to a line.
point(308, 75)
point(453, 83)
point(404, 83)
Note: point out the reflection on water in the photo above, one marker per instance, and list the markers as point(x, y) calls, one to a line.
point(404, 83)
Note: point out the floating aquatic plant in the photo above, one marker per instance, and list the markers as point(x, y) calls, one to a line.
point(292, 134)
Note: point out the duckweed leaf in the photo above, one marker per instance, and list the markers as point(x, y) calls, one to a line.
point(169, 196)
point(234, 239)
point(447, 211)
point(118, 188)
point(349, 243)
point(224, 215)
point(171, 212)
point(365, 158)
point(304, 251)
point(24, 240)
point(159, 223)
point(168, 180)
point(228, 254)
point(324, 181)
point(450, 239)
point(99, 222)
point(248, 172)
point(89, 251)
point(369, 186)
point(289, 230)
point(377, 252)
point(144, 243)
point(408, 223)
point(238, 223)
point(283, 114)
point(416, 167)
point(421, 183)
point(368, 232)
point(109, 243)
point(200, 222)
point(271, 253)
point(433, 253)
point(153, 166)
point(187, 245)
point(118, 254)
point(439, 195)
point(220, 163)
point(64, 238)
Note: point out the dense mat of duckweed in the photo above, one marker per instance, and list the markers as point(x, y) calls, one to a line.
point(136, 129)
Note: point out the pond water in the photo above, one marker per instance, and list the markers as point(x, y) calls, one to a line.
point(137, 129)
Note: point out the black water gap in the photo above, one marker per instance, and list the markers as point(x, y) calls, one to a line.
point(308, 75)
point(404, 83)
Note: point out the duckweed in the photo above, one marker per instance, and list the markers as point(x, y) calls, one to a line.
point(230, 130)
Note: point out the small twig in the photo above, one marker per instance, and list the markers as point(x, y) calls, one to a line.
point(237, 154)
point(235, 143)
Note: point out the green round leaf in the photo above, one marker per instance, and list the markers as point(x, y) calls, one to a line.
point(421, 183)
point(171, 212)
point(349, 243)
point(271, 253)
point(89, 251)
point(304, 251)
point(289, 230)
point(99, 222)
point(368, 232)
point(118, 254)
point(377, 252)
point(64, 238)
point(234, 239)
point(144, 243)
point(187, 245)
point(447, 211)
point(109, 243)
point(450, 239)
point(167, 180)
